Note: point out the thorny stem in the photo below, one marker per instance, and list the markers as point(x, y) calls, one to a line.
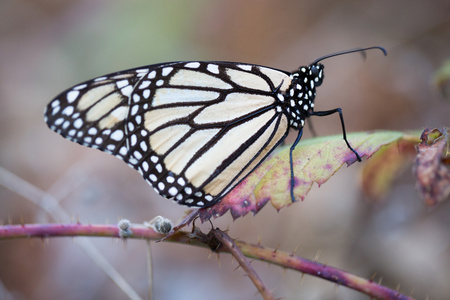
point(227, 242)
point(259, 252)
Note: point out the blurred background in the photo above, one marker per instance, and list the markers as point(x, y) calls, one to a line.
point(47, 46)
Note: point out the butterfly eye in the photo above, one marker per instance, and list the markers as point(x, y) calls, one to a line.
point(314, 71)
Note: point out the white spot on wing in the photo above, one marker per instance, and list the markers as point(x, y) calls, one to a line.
point(72, 96)
point(123, 150)
point(100, 78)
point(192, 65)
point(173, 191)
point(134, 109)
point(181, 181)
point(213, 68)
point(55, 110)
point(68, 110)
point(143, 146)
point(92, 131)
point(117, 135)
point(80, 87)
point(78, 123)
point(122, 83)
point(166, 71)
point(144, 84)
point(133, 140)
point(137, 154)
point(245, 67)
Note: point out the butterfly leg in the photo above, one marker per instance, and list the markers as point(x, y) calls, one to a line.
point(291, 162)
point(330, 112)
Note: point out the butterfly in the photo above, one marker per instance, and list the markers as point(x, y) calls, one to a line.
point(193, 129)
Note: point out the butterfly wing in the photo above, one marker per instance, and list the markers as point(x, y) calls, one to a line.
point(192, 129)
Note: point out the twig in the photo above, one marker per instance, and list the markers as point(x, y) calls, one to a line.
point(227, 242)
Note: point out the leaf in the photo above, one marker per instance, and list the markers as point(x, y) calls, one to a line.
point(386, 165)
point(315, 160)
point(432, 166)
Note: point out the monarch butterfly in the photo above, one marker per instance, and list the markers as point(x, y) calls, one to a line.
point(193, 129)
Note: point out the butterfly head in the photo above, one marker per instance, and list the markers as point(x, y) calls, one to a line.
point(316, 73)
point(306, 79)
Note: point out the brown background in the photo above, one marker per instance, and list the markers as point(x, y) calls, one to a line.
point(48, 46)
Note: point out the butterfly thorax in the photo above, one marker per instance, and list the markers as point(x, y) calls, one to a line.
point(300, 96)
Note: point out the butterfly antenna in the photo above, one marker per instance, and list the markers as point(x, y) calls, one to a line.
point(362, 50)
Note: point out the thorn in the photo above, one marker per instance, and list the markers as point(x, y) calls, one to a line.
point(373, 276)
point(301, 279)
point(316, 258)
point(284, 272)
point(22, 221)
point(380, 280)
point(276, 248)
point(294, 251)
point(336, 288)
point(259, 240)
point(398, 288)
point(218, 259)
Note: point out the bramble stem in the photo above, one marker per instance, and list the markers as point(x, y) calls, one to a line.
point(259, 252)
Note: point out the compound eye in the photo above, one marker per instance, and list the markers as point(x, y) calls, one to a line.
point(314, 71)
